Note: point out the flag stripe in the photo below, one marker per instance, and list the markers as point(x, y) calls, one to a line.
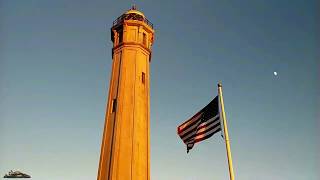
point(193, 127)
point(207, 136)
point(195, 119)
point(199, 127)
point(204, 136)
point(203, 132)
point(208, 131)
point(206, 125)
point(202, 125)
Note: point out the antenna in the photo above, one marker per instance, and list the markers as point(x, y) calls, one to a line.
point(134, 7)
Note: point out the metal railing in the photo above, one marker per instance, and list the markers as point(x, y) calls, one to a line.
point(123, 17)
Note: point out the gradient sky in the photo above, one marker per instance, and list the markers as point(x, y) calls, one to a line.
point(55, 63)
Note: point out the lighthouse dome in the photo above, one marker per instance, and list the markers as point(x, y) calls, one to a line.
point(134, 10)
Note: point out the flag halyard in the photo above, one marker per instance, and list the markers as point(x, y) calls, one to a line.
point(202, 125)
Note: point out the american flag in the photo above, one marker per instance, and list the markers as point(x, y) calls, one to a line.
point(202, 125)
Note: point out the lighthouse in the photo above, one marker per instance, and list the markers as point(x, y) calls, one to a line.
point(125, 147)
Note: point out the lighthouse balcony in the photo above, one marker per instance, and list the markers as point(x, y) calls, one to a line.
point(131, 16)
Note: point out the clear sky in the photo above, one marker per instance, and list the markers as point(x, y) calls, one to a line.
point(55, 63)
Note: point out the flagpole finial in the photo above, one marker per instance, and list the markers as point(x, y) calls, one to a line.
point(219, 84)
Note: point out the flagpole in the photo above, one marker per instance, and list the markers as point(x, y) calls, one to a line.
point(226, 134)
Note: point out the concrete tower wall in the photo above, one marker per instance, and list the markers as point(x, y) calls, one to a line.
point(125, 149)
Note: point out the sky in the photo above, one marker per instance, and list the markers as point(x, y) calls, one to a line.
point(55, 64)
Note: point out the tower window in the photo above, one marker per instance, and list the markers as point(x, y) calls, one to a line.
point(114, 105)
point(144, 40)
point(120, 36)
point(143, 79)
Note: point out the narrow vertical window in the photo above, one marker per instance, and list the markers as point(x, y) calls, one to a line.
point(144, 40)
point(120, 36)
point(143, 79)
point(114, 105)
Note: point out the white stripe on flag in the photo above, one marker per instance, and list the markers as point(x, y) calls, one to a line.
point(191, 121)
point(207, 133)
point(207, 127)
point(195, 130)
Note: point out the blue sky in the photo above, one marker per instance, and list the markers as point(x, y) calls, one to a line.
point(55, 63)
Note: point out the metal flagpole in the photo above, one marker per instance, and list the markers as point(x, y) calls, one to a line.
point(225, 130)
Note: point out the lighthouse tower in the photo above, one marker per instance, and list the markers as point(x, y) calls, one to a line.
point(125, 148)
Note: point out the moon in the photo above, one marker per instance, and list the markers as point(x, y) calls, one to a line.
point(275, 73)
